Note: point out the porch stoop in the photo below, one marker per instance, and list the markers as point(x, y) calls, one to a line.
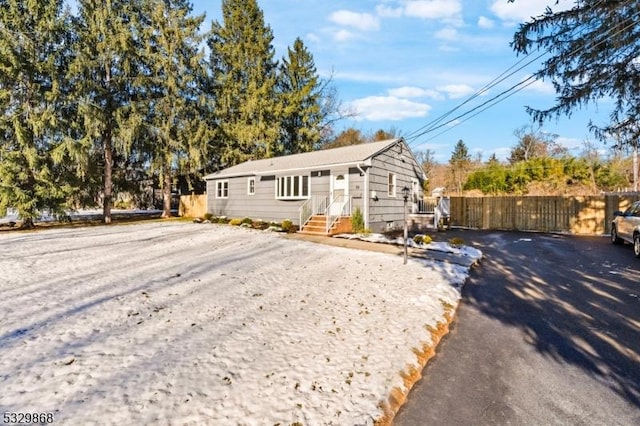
point(318, 223)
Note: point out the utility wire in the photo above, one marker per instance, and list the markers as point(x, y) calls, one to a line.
point(432, 126)
point(521, 88)
point(494, 82)
point(492, 102)
point(484, 89)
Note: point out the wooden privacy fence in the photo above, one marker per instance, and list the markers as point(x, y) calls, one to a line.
point(193, 205)
point(588, 215)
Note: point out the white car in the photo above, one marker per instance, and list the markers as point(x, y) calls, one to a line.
point(626, 227)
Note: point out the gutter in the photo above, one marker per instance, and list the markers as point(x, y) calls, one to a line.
point(290, 170)
point(366, 195)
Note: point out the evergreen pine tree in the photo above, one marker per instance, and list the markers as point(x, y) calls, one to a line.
point(32, 36)
point(105, 74)
point(460, 163)
point(244, 85)
point(301, 94)
point(593, 55)
point(174, 61)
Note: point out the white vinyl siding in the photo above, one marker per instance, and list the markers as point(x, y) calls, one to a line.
point(292, 187)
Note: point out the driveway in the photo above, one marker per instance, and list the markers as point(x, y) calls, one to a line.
point(548, 332)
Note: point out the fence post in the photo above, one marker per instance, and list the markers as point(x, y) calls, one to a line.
point(486, 212)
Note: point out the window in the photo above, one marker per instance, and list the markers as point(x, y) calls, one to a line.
point(292, 187)
point(222, 189)
point(392, 185)
point(251, 186)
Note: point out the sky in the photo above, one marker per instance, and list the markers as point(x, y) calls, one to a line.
point(401, 64)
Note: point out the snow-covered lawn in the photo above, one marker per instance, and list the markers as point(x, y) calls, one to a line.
point(179, 323)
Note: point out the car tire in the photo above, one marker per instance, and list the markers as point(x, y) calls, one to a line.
point(636, 245)
point(614, 236)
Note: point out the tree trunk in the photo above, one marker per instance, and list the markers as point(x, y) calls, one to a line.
point(27, 224)
point(108, 181)
point(166, 191)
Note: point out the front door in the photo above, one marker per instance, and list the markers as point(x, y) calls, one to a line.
point(339, 187)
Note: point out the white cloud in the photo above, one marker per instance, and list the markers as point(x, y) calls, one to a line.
point(448, 33)
point(376, 108)
point(485, 23)
point(415, 92)
point(540, 86)
point(502, 153)
point(343, 35)
point(433, 9)
point(388, 12)
point(448, 49)
point(456, 91)
point(313, 38)
point(523, 10)
point(360, 21)
point(569, 143)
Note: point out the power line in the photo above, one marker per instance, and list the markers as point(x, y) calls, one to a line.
point(484, 89)
point(492, 103)
point(434, 125)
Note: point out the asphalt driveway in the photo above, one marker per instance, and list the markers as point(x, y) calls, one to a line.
point(548, 332)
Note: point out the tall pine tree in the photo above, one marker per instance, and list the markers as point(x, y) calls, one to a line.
point(105, 74)
point(176, 133)
point(301, 94)
point(32, 49)
point(593, 55)
point(244, 83)
point(460, 163)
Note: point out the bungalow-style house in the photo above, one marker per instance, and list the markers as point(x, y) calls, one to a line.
point(318, 191)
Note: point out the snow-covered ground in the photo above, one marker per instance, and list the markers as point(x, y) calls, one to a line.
point(84, 214)
point(179, 323)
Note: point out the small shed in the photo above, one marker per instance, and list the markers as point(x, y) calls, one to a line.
point(319, 191)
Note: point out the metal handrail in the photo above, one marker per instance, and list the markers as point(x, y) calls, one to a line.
point(339, 207)
point(316, 204)
point(426, 205)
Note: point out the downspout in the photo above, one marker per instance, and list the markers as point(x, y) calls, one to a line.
point(366, 196)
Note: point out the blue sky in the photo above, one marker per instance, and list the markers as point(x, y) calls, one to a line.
point(403, 63)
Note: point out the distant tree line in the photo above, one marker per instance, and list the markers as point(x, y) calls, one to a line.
point(122, 95)
point(537, 164)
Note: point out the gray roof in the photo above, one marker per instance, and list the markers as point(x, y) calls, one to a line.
point(348, 155)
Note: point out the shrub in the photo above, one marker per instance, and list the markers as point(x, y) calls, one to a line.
point(123, 204)
point(287, 225)
point(357, 221)
point(422, 239)
point(456, 242)
point(260, 224)
point(223, 219)
point(209, 217)
point(247, 220)
point(235, 222)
